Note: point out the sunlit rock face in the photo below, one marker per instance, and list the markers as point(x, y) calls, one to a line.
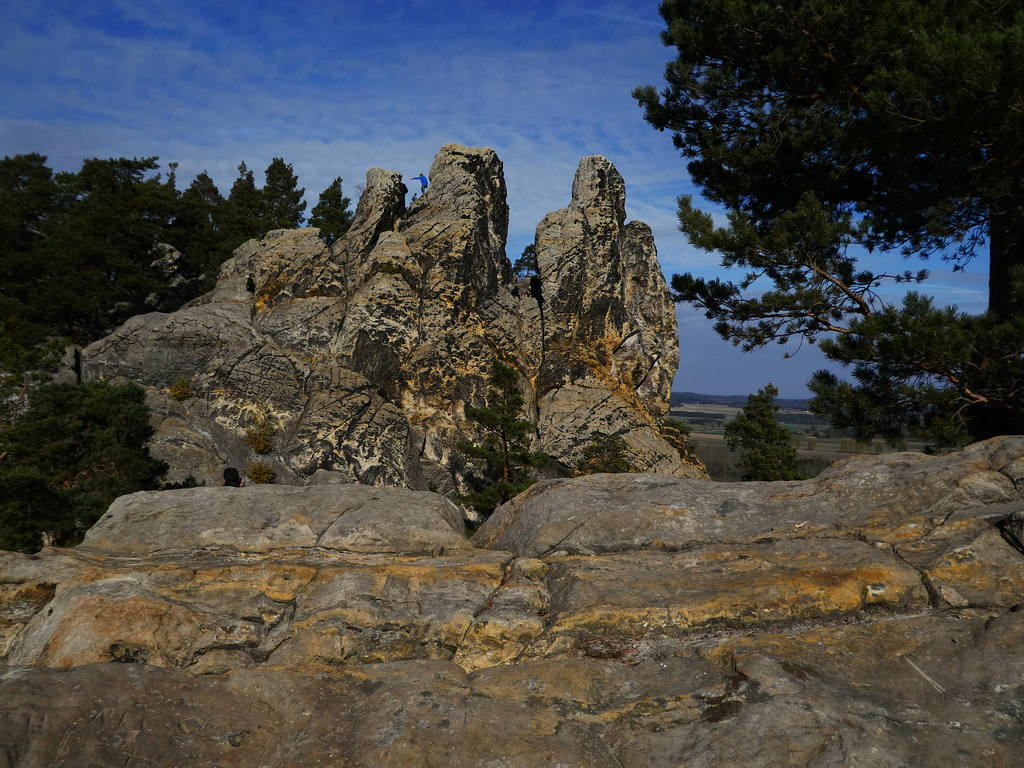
point(361, 358)
point(869, 617)
point(611, 347)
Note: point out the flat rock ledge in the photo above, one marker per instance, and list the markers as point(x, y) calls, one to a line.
point(868, 617)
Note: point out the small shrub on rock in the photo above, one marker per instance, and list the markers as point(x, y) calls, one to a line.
point(259, 435)
point(260, 473)
point(180, 390)
point(503, 459)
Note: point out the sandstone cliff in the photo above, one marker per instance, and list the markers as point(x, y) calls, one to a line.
point(363, 356)
point(869, 617)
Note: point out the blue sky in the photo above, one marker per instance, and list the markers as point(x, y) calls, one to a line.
point(335, 88)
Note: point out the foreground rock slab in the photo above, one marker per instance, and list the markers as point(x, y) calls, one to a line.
point(928, 691)
point(870, 617)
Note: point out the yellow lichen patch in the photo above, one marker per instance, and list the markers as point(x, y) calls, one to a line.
point(397, 608)
point(497, 639)
point(744, 585)
point(890, 528)
point(328, 646)
point(277, 581)
point(966, 576)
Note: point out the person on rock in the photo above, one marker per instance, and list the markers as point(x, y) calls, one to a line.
point(423, 181)
point(250, 284)
point(233, 479)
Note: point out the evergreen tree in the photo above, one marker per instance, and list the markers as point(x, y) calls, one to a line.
point(283, 206)
point(887, 125)
point(33, 513)
point(526, 264)
point(245, 211)
point(74, 451)
point(604, 453)
point(198, 230)
point(895, 396)
point(25, 363)
point(28, 205)
point(97, 257)
point(332, 214)
point(505, 451)
point(768, 452)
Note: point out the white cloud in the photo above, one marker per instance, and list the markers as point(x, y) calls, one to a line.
point(335, 89)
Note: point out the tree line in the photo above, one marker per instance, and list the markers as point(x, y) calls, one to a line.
point(78, 249)
point(82, 252)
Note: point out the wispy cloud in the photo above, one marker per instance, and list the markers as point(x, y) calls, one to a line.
point(338, 88)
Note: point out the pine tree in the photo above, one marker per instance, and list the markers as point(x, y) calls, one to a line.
point(526, 264)
point(74, 451)
point(604, 453)
point(28, 204)
point(28, 211)
point(283, 206)
point(198, 231)
point(828, 129)
point(505, 451)
point(332, 214)
point(245, 212)
point(111, 215)
point(768, 452)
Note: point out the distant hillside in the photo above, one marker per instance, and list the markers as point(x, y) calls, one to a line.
point(734, 401)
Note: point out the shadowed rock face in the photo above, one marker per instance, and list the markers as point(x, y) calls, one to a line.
point(365, 355)
point(869, 617)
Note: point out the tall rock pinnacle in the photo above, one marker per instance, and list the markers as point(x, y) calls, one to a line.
point(362, 357)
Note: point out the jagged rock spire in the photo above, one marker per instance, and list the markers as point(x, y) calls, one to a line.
point(366, 354)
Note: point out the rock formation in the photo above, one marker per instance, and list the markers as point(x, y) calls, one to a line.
point(363, 356)
point(869, 617)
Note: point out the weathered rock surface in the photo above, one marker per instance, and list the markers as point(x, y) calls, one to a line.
point(609, 331)
point(364, 355)
point(869, 617)
point(867, 496)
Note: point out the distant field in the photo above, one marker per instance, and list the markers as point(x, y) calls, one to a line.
point(706, 408)
point(815, 452)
